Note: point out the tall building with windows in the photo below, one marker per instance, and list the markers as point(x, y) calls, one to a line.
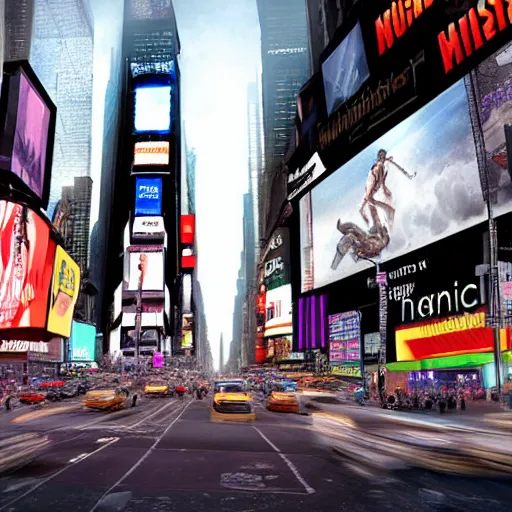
point(284, 56)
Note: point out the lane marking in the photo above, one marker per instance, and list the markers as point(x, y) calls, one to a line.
point(288, 462)
point(52, 476)
point(141, 460)
point(78, 458)
point(159, 410)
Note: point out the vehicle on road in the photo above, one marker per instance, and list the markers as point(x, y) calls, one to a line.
point(283, 402)
point(231, 402)
point(157, 387)
point(110, 399)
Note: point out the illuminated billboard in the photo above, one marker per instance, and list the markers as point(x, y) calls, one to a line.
point(151, 153)
point(63, 294)
point(388, 200)
point(188, 226)
point(152, 108)
point(26, 263)
point(345, 343)
point(151, 260)
point(148, 196)
point(187, 336)
point(148, 226)
point(278, 320)
point(82, 344)
point(27, 124)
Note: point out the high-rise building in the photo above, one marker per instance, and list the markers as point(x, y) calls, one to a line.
point(255, 150)
point(284, 56)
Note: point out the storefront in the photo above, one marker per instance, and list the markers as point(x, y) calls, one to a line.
point(22, 360)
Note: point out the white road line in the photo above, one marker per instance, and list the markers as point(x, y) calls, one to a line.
point(141, 460)
point(158, 411)
point(288, 462)
point(52, 476)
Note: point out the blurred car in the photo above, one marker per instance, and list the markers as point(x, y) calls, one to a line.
point(156, 387)
point(110, 399)
point(31, 397)
point(282, 402)
point(231, 402)
point(18, 450)
point(73, 389)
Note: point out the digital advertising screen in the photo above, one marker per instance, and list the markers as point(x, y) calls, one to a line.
point(345, 337)
point(392, 198)
point(148, 196)
point(82, 344)
point(151, 153)
point(26, 263)
point(345, 70)
point(152, 271)
point(278, 318)
point(187, 339)
point(152, 108)
point(277, 260)
point(63, 294)
point(148, 226)
point(26, 144)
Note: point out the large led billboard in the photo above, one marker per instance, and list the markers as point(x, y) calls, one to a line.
point(27, 122)
point(26, 263)
point(345, 70)
point(151, 260)
point(345, 343)
point(63, 293)
point(416, 184)
point(151, 153)
point(152, 108)
point(82, 344)
point(148, 196)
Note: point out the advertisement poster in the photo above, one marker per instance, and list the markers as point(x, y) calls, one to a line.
point(26, 262)
point(494, 83)
point(277, 260)
point(152, 271)
point(31, 137)
point(279, 311)
point(282, 348)
point(151, 153)
point(345, 343)
point(153, 108)
point(415, 185)
point(371, 346)
point(187, 340)
point(345, 70)
point(158, 360)
point(82, 344)
point(148, 226)
point(148, 196)
point(64, 293)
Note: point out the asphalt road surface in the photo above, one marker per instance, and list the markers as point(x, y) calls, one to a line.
point(166, 455)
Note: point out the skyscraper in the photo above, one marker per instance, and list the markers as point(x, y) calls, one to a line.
point(284, 56)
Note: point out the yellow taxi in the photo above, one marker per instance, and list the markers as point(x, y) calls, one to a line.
point(283, 402)
point(231, 402)
point(156, 387)
point(109, 399)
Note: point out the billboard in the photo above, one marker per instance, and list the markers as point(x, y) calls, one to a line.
point(151, 153)
point(304, 177)
point(26, 127)
point(345, 70)
point(148, 226)
point(413, 186)
point(82, 344)
point(345, 338)
point(187, 293)
point(277, 260)
point(152, 261)
point(26, 262)
point(187, 228)
point(187, 336)
point(152, 108)
point(278, 320)
point(63, 293)
point(312, 322)
point(148, 196)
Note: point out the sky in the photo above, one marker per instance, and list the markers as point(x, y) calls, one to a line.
point(444, 197)
point(220, 55)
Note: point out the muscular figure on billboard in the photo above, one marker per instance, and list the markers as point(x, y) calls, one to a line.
point(362, 244)
point(377, 180)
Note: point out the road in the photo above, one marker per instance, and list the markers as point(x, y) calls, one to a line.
point(166, 455)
